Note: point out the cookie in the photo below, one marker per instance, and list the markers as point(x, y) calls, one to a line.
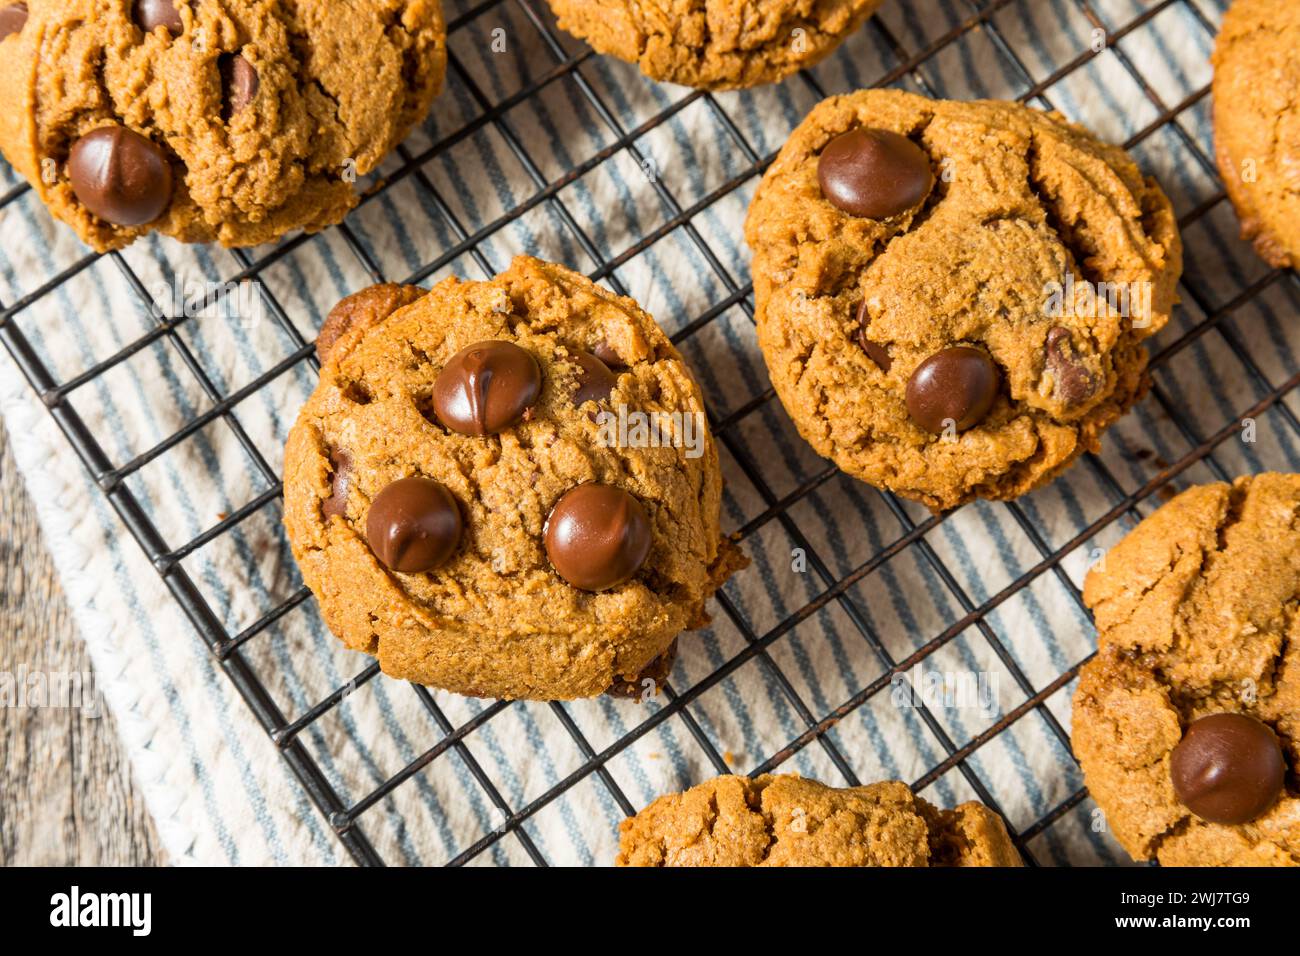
point(506, 488)
point(1187, 722)
point(1256, 123)
point(952, 297)
point(785, 820)
point(210, 120)
point(715, 44)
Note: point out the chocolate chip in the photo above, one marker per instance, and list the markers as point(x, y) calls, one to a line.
point(486, 388)
point(876, 352)
point(12, 19)
point(874, 173)
point(1073, 383)
point(597, 536)
point(239, 83)
point(956, 385)
point(657, 670)
point(336, 505)
point(120, 176)
point(414, 525)
point(152, 14)
point(595, 380)
point(607, 354)
point(1228, 768)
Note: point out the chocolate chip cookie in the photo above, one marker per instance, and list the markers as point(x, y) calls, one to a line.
point(952, 297)
point(1187, 723)
point(210, 120)
point(715, 44)
point(1257, 123)
point(506, 488)
point(785, 820)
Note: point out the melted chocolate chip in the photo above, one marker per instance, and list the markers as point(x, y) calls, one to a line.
point(414, 525)
point(874, 173)
point(336, 505)
point(12, 19)
point(595, 380)
point(152, 14)
point(597, 536)
point(957, 385)
point(875, 351)
point(120, 176)
point(486, 388)
point(239, 83)
point(607, 354)
point(1228, 768)
point(1073, 383)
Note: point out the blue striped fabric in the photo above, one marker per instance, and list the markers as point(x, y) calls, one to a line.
point(216, 785)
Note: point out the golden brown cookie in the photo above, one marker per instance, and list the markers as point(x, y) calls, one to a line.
point(952, 297)
point(715, 44)
point(1187, 723)
point(210, 120)
point(785, 820)
point(480, 501)
point(1257, 123)
point(360, 311)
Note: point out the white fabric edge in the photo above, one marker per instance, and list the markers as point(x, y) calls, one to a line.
point(63, 506)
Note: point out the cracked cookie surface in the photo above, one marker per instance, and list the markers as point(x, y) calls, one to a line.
point(257, 112)
point(1257, 123)
point(714, 44)
point(1020, 204)
point(786, 820)
point(1196, 616)
point(497, 620)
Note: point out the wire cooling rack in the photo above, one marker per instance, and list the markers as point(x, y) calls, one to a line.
point(1227, 307)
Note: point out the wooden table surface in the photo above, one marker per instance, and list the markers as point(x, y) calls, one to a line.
point(66, 793)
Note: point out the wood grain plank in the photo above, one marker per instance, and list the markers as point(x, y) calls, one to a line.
point(66, 793)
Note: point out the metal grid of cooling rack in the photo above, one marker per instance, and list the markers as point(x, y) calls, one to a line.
point(286, 733)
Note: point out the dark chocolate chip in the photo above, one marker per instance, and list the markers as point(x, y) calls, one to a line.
point(120, 176)
point(874, 173)
point(486, 388)
point(875, 351)
point(1228, 768)
point(597, 536)
point(606, 353)
point(1073, 383)
point(657, 670)
point(595, 380)
point(239, 83)
point(12, 19)
point(336, 505)
point(957, 385)
point(414, 525)
point(152, 14)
